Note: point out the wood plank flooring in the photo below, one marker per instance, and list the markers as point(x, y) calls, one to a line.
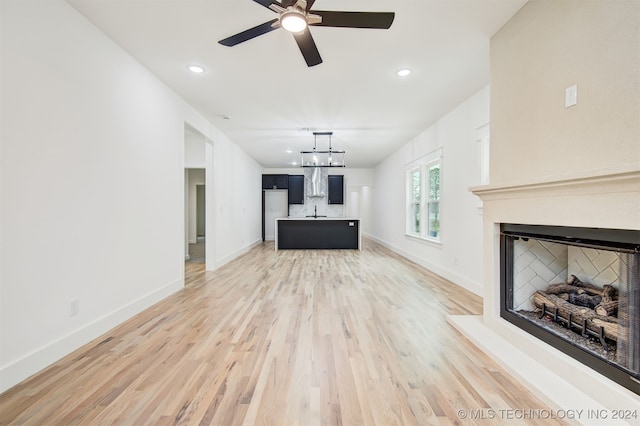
point(283, 338)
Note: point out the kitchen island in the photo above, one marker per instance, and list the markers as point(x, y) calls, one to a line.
point(318, 233)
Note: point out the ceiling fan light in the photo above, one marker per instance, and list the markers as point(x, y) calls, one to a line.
point(293, 21)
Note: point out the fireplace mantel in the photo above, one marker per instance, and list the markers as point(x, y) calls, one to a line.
point(623, 178)
point(603, 198)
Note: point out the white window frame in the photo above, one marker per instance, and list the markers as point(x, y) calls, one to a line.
point(411, 224)
point(423, 165)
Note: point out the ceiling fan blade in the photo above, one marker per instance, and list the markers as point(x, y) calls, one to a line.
point(330, 18)
point(267, 3)
point(250, 33)
point(308, 47)
point(310, 4)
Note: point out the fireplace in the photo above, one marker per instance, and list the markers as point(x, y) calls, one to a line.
point(577, 289)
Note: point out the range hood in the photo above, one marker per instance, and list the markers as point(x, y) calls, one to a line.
point(316, 183)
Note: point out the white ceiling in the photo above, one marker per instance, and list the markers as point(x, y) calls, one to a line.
point(274, 102)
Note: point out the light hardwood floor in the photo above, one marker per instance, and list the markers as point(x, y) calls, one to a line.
point(279, 338)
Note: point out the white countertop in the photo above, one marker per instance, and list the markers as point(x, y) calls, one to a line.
point(316, 218)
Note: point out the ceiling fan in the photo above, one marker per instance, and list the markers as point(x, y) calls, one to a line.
point(296, 16)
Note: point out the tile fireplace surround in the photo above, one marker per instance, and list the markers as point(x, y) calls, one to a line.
point(608, 198)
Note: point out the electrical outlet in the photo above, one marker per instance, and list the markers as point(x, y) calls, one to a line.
point(74, 307)
point(571, 96)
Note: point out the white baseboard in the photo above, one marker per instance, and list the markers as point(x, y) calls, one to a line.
point(448, 274)
point(19, 370)
point(228, 258)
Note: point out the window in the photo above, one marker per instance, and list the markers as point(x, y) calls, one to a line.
point(424, 191)
point(433, 203)
point(414, 208)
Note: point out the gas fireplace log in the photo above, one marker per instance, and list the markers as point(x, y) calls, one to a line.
point(585, 300)
point(607, 308)
point(610, 328)
point(573, 280)
point(578, 313)
point(588, 288)
point(609, 293)
point(564, 307)
point(593, 291)
point(564, 288)
point(600, 318)
point(568, 288)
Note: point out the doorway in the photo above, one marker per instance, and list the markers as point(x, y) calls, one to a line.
point(358, 205)
point(197, 250)
point(196, 215)
point(276, 205)
point(196, 186)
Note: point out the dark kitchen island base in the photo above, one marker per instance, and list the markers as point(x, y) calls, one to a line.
point(318, 233)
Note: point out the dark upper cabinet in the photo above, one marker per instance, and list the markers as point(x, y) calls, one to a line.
point(296, 189)
point(336, 189)
point(275, 181)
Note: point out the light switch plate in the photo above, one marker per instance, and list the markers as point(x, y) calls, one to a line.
point(571, 96)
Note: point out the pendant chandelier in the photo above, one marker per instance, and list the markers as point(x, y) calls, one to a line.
point(322, 158)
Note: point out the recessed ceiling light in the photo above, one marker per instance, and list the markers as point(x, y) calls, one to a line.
point(196, 69)
point(294, 163)
point(288, 151)
point(403, 72)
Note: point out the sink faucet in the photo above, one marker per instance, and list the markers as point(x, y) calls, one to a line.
point(315, 213)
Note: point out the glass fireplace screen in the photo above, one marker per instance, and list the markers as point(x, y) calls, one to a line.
point(579, 290)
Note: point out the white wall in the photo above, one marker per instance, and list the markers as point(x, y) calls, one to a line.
point(92, 195)
point(545, 48)
point(234, 202)
point(194, 150)
point(458, 257)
